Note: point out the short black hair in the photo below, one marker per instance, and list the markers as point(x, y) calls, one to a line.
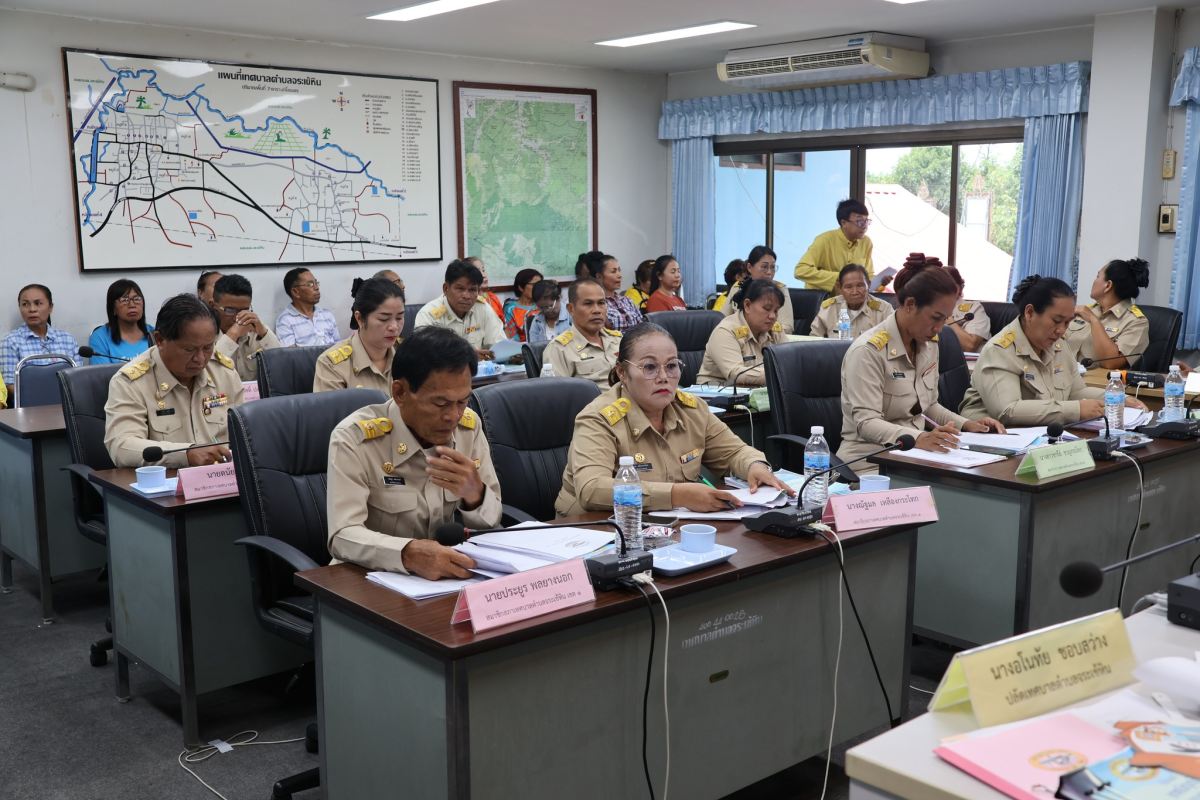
point(459, 268)
point(544, 287)
point(630, 340)
point(180, 310)
point(733, 271)
point(846, 270)
point(44, 290)
point(116, 290)
point(524, 278)
point(660, 266)
point(204, 276)
point(369, 295)
point(235, 285)
point(432, 349)
point(292, 277)
point(1040, 293)
point(752, 291)
point(573, 291)
point(1128, 276)
point(848, 207)
point(757, 254)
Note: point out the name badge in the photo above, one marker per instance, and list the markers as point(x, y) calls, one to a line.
point(393, 480)
point(897, 374)
point(164, 412)
point(644, 467)
point(1029, 376)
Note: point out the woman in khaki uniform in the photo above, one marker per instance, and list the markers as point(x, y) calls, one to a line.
point(973, 333)
point(865, 311)
point(890, 374)
point(737, 343)
point(1112, 326)
point(364, 361)
point(669, 434)
point(760, 265)
point(1025, 375)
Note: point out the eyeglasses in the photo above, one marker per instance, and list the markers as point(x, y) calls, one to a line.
point(233, 312)
point(544, 306)
point(862, 223)
point(312, 284)
point(136, 299)
point(651, 369)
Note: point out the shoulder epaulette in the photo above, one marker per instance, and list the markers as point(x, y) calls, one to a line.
point(1137, 312)
point(565, 337)
point(467, 420)
point(374, 428)
point(685, 398)
point(934, 339)
point(438, 312)
point(135, 371)
point(880, 340)
point(339, 354)
point(481, 298)
point(873, 304)
point(615, 412)
point(741, 331)
point(1007, 339)
point(611, 332)
point(829, 302)
point(222, 359)
point(777, 327)
point(964, 306)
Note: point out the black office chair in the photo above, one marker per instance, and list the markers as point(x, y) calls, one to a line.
point(1164, 336)
point(532, 353)
point(37, 384)
point(1000, 314)
point(887, 297)
point(410, 319)
point(284, 371)
point(690, 330)
point(804, 383)
point(83, 392)
point(281, 450)
point(529, 425)
point(954, 378)
point(806, 304)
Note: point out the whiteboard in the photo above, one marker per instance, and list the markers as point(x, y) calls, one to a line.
point(195, 164)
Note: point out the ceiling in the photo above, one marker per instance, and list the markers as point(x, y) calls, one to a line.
point(563, 32)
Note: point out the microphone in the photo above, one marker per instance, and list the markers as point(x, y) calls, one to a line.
point(156, 453)
point(87, 352)
point(1102, 447)
point(970, 315)
point(736, 399)
point(1084, 579)
point(1087, 362)
point(1054, 431)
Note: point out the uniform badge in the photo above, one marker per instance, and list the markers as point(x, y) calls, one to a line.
point(689, 456)
point(478, 461)
point(897, 373)
point(387, 468)
point(402, 448)
point(1057, 370)
point(167, 412)
point(928, 369)
point(393, 480)
point(214, 401)
point(473, 328)
point(1029, 376)
point(162, 404)
point(162, 387)
point(893, 351)
point(639, 458)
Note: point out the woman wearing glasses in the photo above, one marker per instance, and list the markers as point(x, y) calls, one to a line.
point(847, 244)
point(734, 350)
point(364, 361)
point(549, 321)
point(668, 433)
point(760, 265)
point(126, 335)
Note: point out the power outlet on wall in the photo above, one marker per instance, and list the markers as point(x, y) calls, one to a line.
point(1166, 218)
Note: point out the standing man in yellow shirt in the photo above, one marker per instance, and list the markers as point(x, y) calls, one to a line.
point(832, 250)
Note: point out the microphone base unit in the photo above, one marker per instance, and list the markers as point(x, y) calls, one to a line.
point(1176, 429)
point(728, 401)
point(786, 523)
point(1183, 602)
point(607, 569)
point(1153, 380)
point(1103, 447)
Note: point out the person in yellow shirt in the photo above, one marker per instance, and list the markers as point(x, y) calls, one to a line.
point(832, 250)
point(735, 272)
point(639, 292)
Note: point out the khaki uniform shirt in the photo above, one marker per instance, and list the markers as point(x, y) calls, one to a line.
point(612, 426)
point(380, 497)
point(573, 356)
point(829, 252)
point(787, 317)
point(346, 365)
point(871, 313)
point(148, 406)
point(1019, 387)
point(884, 394)
point(1125, 325)
point(980, 324)
point(244, 352)
point(480, 327)
point(732, 348)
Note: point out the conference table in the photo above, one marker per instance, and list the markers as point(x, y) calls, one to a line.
point(989, 568)
point(38, 528)
point(1152, 397)
point(551, 707)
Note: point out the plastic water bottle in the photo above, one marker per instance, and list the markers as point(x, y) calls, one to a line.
point(547, 370)
point(844, 324)
point(1173, 396)
point(816, 458)
point(1114, 402)
point(627, 504)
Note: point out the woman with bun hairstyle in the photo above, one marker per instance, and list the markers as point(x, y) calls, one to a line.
point(365, 359)
point(972, 333)
point(1027, 376)
point(890, 374)
point(665, 281)
point(1112, 328)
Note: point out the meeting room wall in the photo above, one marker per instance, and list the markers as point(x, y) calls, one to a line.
point(37, 240)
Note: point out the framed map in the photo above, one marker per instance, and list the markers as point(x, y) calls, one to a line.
point(526, 165)
point(195, 164)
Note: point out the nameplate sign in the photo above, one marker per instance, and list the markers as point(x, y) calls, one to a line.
point(207, 481)
point(518, 597)
point(1057, 459)
point(862, 510)
point(1039, 671)
point(250, 391)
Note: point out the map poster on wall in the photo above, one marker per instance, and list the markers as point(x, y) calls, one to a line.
point(526, 163)
point(194, 164)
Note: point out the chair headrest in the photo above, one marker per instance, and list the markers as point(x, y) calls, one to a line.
point(291, 434)
point(519, 414)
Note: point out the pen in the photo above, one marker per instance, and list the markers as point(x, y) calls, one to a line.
point(704, 480)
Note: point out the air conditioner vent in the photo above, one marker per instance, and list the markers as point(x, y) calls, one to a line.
point(768, 66)
point(844, 58)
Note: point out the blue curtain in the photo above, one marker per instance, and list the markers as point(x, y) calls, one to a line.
point(695, 244)
point(1048, 207)
point(1185, 289)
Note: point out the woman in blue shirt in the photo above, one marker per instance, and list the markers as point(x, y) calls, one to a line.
point(126, 335)
point(37, 336)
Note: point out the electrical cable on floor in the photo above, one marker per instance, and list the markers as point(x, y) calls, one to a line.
point(647, 579)
point(922, 691)
point(209, 750)
point(837, 665)
point(1137, 465)
point(646, 695)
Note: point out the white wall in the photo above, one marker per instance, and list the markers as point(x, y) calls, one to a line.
point(37, 239)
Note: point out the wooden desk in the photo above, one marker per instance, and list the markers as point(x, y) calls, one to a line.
point(38, 525)
point(180, 591)
point(989, 568)
point(551, 707)
point(486, 380)
point(1153, 398)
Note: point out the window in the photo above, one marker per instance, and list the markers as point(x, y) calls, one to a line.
point(782, 195)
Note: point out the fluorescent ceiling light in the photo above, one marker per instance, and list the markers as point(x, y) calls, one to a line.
point(428, 9)
point(905, 2)
point(681, 33)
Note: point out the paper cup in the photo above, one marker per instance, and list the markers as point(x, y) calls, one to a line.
point(697, 538)
point(874, 483)
point(151, 477)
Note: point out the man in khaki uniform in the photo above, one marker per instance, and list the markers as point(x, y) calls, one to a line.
point(347, 365)
point(243, 334)
point(973, 334)
point(399, 469)
point(871, 313)
point(459, 310)
point(1124, 324)
point(587, 349)
point(733, 347)
point(177, 394)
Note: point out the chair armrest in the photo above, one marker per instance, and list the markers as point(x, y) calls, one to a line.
point(82, 470)
point(510, 515)
point(789, 437)
point(281, 550)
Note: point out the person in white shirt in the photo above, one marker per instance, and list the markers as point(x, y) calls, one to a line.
point(304, 323)
point(459, 309)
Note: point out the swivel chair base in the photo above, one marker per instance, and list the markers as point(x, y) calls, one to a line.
point(309, 779)
point(100, 647)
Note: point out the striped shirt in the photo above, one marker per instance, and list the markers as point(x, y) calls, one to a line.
point(293, 328)
point(22, 343)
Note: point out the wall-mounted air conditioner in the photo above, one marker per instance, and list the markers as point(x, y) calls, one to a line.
point(837, 59)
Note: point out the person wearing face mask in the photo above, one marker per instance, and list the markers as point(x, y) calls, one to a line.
point(890, 374)
point(865, 311)
point(760, 265)
point(1112, 326)
point(587, 349)
point(665, 282)
point(668, 433)
point(36, 336)
point(243, 334)
point(459, 310)
point(1025, 374)
point(737, 343)
point(176, 395)
point(973, 333)
point(364, 361)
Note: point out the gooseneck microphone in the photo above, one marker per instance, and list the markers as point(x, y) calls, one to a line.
point(87, 352)
point(1084, 579)
point(970, 315)
point(156, 453)
point(1087, 362)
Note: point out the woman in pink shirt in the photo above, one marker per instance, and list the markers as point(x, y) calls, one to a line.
point(665, 280)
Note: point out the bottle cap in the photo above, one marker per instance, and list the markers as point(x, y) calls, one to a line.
point(626, 461)
point(1114, 374)
point(1173, 368)
point(817, 430)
